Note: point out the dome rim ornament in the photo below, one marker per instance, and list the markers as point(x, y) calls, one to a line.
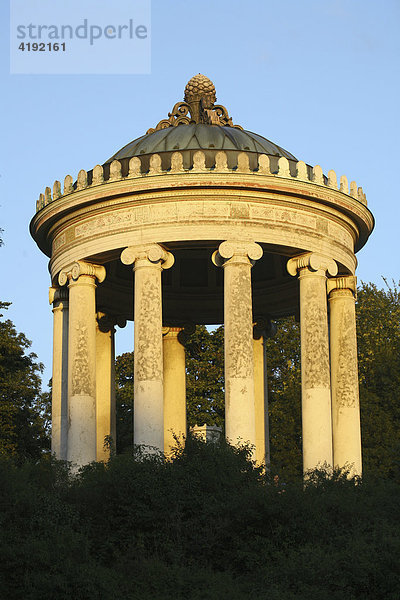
point(198, 107)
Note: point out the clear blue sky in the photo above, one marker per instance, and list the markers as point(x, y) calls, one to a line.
point(320, 78)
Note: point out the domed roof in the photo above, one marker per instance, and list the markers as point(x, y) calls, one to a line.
point(200, 136)
point(199, 124)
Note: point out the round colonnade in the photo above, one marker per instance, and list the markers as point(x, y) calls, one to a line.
point(198, 222)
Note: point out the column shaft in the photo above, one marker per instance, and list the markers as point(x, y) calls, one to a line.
point(315, 366)
point(105, 390)
point(148, 367)
point(260, 404)
point(174, 389)
point(148, 263)
point(236, 259)
point(239, 361)
point(82, 371)
point(315, 374)
point(59, 391)
point(344, 376)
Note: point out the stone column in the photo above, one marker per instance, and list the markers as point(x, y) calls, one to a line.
point(262, 330)
point(105, 386)
point(315, 370)
point(174, 387)
point(237, 258)
point(259, 399)
point(148, 263)
point(81, 278)
point(344, 374)
point(58, 297)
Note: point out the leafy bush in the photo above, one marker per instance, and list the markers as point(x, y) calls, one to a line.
point(207, 524)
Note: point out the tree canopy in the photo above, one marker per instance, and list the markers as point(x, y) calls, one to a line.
point(24, 409)
point(378, 336)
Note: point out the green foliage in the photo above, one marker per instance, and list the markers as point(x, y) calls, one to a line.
point(24, 410)
point(284, 397)
point(124, 401)
point(205, 377)
point(378, 336)
point(206, 525)
point(44, 546)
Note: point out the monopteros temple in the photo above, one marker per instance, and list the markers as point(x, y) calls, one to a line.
point(200, 221)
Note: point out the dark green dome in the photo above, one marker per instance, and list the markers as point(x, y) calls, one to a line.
point(200, 136)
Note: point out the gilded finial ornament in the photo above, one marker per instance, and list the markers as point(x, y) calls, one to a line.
point(198, 107)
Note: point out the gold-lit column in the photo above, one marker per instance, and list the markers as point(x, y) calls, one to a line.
point(148, 263)
point(237, 258)
point(174, 388)
point(344, 374)
point(81, 278)
point(259, 399)
point(105, 386)
point(58, 297)
point(262, 330)
point(315, 369)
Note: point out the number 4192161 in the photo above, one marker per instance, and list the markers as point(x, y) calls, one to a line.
point(42, 47)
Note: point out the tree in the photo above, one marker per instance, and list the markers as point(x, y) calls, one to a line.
point(124, 401)
point(284, 397)
point(205, 377)
point(378, 333)
point(24, 409)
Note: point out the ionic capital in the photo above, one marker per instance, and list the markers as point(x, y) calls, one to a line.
point(150, 253)
point(78, 268)
point(181, 332)
point(264, 327)
point(348, 282)
point(57, 294)
point(237, 251)
point(107, 323)
point(313, 262)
